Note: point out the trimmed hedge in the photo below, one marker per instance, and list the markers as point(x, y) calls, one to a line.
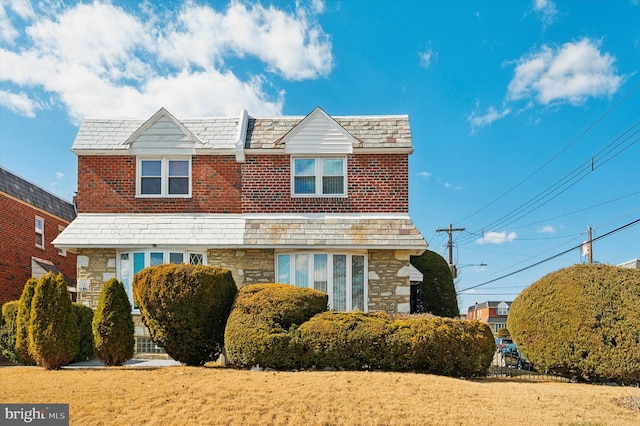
point(438, 292)
point(24, 313)
point(281, 326)
point(262, 326)
point(186, 308)
point(8, 331)
point(112, 325)
point(581, 321)
point(84, 315)
point(53, 332)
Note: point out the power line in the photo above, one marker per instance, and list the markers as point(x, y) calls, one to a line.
point(635, 222)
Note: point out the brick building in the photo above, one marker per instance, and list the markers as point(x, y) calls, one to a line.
point(493, 313)
point(30, 219)
point(315, 201)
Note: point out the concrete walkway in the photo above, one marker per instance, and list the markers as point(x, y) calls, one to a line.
point(133, 363)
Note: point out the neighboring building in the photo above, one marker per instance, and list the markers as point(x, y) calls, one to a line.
point(493, 313)
point(30, 219)
point(635, 264)
point(315, 201)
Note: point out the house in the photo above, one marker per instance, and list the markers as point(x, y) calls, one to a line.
point(315, 201)
point(30, 219)
point(633, 264)
point(493, 313)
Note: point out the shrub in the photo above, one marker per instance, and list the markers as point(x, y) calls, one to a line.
point(53, 332)
point(8, 330)
point(113, 325)
point(24, 313)
point(581, 321)
point(350, 341)
point(262, 326)
point(84, 315)
point(186, 308)
point(438, 293)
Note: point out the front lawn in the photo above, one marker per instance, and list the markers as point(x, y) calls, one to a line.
point(218, 396)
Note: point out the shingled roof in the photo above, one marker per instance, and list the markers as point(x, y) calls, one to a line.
point(17, 187)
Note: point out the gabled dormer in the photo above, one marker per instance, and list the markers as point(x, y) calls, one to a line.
point(318, 133)
point(162, 134)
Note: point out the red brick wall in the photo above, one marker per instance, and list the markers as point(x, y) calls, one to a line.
point(17, 246)
point(377, 183)
point(107, 184)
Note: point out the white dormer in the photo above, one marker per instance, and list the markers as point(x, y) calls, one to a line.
point(162, 134)
point(319, 134)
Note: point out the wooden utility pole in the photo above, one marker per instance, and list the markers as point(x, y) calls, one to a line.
point(450, 230)
point(590, 243)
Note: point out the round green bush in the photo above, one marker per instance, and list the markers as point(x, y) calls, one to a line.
point(186, 308)
point(24, 313)
point(262, 326)
point(345, 340)
point(84, 315)
point(112, 325)
point(581, 321)
point(53, 332)
point(8, 331)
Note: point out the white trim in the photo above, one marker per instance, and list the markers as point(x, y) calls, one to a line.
point(241, 136)
point(162, 112)
point(164, 176)
point(331, 139)
point(318, 175)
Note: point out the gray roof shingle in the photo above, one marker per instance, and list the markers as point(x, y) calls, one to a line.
point(17, 187)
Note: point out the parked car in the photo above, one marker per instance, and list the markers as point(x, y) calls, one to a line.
point(514, 359)
point(502, 342)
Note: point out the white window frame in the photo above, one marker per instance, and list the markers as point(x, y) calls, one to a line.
point(318, 176)
point(164, 177)
point(61, 251)
point(39, 231)
point(330, 289)
point(127, 281)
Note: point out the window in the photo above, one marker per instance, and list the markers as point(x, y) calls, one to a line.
point(503, 309)
point(130, 263)
point(319, 177)
point(61, 252)
point(164, 177)
point(39, 232)
point(341, 276)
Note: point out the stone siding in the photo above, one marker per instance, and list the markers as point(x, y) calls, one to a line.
point(95, 267)
point(389, 286)
point(247, 266)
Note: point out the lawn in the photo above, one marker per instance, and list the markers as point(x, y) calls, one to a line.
point(218, 396)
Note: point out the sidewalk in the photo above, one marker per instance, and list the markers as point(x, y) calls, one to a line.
point(134, 363)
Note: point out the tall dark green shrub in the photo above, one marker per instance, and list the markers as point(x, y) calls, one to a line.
point(53, 330)
point(84, 314)
point(113, 325)
point(581, 321)
point(186, 308)
point(8, 329)
point(24, 313)
point(261, 329)
point(437, 288)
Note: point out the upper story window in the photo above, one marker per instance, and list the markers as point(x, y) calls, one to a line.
point(61, 252)
point(164, 177)
point(503, 309)
point(319, 176)
point(39, 232)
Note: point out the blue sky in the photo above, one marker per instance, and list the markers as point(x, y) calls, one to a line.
point(525, 114)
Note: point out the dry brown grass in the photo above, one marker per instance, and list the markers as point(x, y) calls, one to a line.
point(217, 396)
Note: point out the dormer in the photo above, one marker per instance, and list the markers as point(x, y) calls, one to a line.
point(318, 134)
point(161, 135)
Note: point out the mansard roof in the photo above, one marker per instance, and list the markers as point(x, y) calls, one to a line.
point(30, 193)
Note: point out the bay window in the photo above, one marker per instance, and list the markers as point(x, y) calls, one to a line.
point(341, 275)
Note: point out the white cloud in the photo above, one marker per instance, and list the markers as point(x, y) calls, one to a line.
point(424, 174)
point(546, 10)
point(547, 229)
point(571, 73)
point(20, 103)
point(477, 121)
point(426, 57)
point(99, 60)
point(497, 238)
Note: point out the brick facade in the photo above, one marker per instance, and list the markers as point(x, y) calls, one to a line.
point(107, 184)
point(377, 183)
point(17, 245)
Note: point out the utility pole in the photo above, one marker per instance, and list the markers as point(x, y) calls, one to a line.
point(590, 242)
point(450, 230)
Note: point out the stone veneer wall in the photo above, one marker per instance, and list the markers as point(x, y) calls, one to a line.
point(247, 266)
point(389, 285)
point(94, 268)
